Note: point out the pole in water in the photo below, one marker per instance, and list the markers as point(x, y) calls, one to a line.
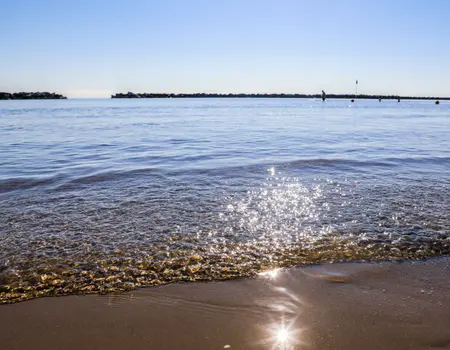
point(324, 95)
point(356, 92)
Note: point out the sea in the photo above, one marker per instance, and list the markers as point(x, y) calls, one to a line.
point(109, 195)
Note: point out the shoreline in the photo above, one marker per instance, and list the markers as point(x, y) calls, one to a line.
point(352, 305)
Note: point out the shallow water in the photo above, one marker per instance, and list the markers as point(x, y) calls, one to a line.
point(110, 195)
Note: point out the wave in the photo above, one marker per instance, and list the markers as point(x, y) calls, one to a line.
point(105, 177)
point(382, 162)
point(63, 181)
point(324, 162)
point(14, 184)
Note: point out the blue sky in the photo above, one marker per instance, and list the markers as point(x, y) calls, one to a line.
point(95, 48)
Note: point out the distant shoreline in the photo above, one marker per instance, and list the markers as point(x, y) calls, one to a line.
point(31, 96)
point(55, 96)
point(278, 95)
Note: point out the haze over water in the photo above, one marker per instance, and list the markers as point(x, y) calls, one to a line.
point(109, 195)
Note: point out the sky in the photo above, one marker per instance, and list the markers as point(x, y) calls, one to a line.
point(96, 48)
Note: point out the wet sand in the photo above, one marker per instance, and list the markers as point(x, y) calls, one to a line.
point(333, 306)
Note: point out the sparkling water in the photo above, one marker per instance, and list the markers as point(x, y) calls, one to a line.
point(110, 195)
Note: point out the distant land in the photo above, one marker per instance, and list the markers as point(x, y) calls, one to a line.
point(55, 96)
point(31, 96)
point(217, 95)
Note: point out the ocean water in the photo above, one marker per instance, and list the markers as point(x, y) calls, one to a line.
point(110, 195)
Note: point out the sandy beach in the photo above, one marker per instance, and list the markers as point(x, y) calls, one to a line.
point(385, 305)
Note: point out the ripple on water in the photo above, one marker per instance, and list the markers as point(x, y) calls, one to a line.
point(95, 240)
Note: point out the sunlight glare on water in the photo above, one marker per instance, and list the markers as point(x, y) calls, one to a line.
point(271, 274)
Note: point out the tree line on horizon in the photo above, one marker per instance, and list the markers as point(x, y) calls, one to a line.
point(270, 95)
point(48, 95)
point(31, 96)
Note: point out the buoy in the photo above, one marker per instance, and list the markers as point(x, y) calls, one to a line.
point(436, 102)
point(353, 100)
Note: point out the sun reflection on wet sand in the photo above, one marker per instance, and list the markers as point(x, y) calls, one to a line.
point(283, 331)
point(284, 335)
point(270, 274)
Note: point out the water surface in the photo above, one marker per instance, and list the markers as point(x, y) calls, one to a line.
point(110, 195)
